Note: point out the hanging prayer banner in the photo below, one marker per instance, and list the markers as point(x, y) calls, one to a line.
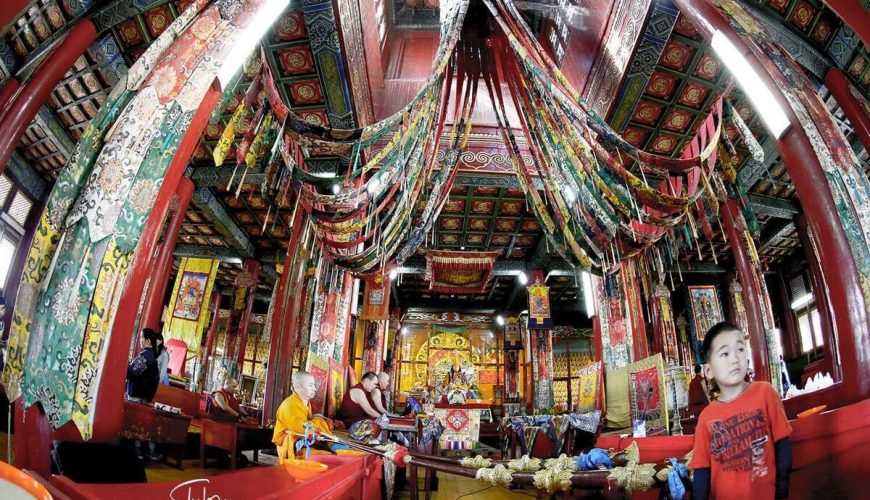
point(461, 428)
point(336, 388)
point(706, 310)
point(513, 339)
point(459, 272)
point(511, 374)
point(319, 369)
point(539, 307)
point(376, 302)
point(188, 308)
point(646, 385)
point(542, 368)
point(589, 387)
point(372, 348)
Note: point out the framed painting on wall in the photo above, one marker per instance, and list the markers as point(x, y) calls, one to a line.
point(706, 308)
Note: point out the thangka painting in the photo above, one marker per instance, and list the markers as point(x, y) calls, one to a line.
point(589, 387)
point(539, 307)
point(336, 387)
point(513, 338)
point(706, 309)
point(319, 369)
point(647, 393)
point(190, 294)
point(461, 428)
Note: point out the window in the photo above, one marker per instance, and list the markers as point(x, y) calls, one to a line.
point(19, 209)
point(7, 251)
point(810, 328)
point(5, 189)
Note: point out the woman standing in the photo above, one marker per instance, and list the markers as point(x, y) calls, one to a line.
point(143, 372)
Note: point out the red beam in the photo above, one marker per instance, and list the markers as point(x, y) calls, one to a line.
point(837, 83)
point(835, 256)
point(34, 93)
point(10, 11)
point(162, 262)
point(10, 86)
point(109, 407)
point(853, 16)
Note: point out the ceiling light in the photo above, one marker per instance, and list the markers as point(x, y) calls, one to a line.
point(374, 184)
point(249, 38)
point(394, 273)
point(462, 248)
point(499, 320)
point(753, 86)
point(404, 330)
point(336, 189)
point(570, 194)
point(523, 277)
point(588, 294)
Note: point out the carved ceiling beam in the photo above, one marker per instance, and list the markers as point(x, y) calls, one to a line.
point(773, 207)
point(217, 214)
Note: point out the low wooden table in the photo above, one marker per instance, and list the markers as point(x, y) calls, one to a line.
point(143, 422)
point(233, 437)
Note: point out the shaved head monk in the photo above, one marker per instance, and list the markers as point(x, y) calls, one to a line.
point(294, 413)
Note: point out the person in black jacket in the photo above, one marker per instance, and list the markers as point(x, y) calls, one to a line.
point(143, 374)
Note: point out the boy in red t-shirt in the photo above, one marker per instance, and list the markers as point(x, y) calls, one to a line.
point(741, 445)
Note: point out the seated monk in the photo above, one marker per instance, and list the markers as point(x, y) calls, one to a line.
point(226, 402)
point(294, 413)
point(358, 404)
point(379, 394)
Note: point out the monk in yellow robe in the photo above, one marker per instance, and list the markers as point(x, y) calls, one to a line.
point(294, 413)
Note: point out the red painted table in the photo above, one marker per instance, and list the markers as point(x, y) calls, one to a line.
point(233, 437)
point(351, 478)
point(143, 422)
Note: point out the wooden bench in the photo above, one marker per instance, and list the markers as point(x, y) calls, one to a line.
point(233, 437)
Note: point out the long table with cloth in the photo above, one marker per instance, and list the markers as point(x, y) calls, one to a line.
point(349, 477)
point(524, 431)
point(143, 422)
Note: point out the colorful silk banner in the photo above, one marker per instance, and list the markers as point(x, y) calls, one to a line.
point(461, 428)
point(319, 369)
point(188, 307)
point(647, 389)
point(542, 368)
point(511, 374)
point(373, 344)
point(513, 338)
point(539, 307)
point(376, 301)
point(589, 387)
point(459, 272)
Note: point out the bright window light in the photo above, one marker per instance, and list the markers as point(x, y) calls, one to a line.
point(523, 277)
point(753, 86)
point(394, 273)
point(802, 301)
point(7, 251)
point(262, 21)
point(499, 320)
point(588, 293)
point(404, 330)
point(336, 189)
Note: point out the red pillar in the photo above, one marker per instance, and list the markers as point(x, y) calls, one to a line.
point(835, 256)
point(7, 91)
point(751, 290)
point(820, 293)
point(853, 16)
point(109, 404)
point(32, 439)
point(161, 264)
point(253, 267)
point(210, 336)
point(34, 93)
point(838, 85)
point(284, 315)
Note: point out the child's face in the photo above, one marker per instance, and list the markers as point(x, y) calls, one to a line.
point(728, 359)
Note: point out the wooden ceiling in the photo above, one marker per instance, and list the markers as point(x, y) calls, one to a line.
point(676, 74)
